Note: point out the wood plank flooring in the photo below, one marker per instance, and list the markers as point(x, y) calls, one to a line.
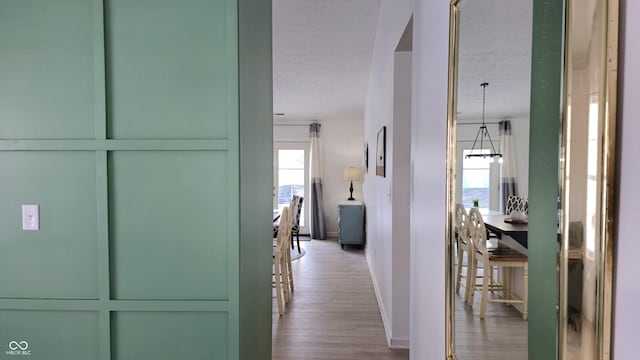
point(334, 313)
point(502, 335)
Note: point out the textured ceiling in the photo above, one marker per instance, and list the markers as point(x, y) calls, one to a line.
point(322, 57)
point(495, 47)
point(322, 53)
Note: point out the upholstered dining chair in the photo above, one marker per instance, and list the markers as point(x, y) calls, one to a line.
point(503, 258)
point(296, 208)
point(276, 223)
point(517, 203)
point(281, 268)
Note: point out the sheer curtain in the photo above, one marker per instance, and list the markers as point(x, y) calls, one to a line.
point(318, 230)
point(508, 178)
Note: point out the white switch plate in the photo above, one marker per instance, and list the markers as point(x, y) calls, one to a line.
point(30, 217)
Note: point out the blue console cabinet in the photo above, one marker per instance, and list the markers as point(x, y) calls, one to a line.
point(350, 223)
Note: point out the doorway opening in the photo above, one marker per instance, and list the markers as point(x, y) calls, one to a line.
point(291, 177)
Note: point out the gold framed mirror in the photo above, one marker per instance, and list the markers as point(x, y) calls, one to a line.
point(588, 179)
point(586, 170)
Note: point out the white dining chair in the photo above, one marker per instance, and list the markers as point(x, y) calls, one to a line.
point(503, 258)
point(463, 245)
point(280, 280)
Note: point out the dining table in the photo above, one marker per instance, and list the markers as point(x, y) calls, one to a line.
point(501, 225)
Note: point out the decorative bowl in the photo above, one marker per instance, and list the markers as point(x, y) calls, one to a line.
point(518, 216)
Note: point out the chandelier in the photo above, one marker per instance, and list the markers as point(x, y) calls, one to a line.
point(483, 136)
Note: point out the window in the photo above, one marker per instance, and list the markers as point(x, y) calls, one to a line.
point(291, 176)
point(476, 179)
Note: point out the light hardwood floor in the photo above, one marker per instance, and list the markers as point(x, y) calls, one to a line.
point(502, 335)
point(333, 313)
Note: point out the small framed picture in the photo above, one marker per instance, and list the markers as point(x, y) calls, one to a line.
point(381, 151)
point(366, 157)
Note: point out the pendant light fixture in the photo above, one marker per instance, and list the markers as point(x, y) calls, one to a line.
point(483, 136)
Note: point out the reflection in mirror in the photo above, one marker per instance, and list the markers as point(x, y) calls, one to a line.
point(485, 39)
point(491, 179)
point(589, 137)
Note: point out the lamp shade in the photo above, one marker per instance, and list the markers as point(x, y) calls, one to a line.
point(352, 174)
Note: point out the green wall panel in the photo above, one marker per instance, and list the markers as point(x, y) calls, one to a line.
point(50, 335)
point(59, 260)
point(46, 69)
point(546, 96)
point(169, 336)
point(168, 68)
point(168, 225)
point(256, 168)
point(120, 118)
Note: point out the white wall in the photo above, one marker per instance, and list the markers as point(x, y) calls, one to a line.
point(401, 199)
point(289, 133)
point(379, 111)
point(428, 188)
point(342, 146)
point(627, 291)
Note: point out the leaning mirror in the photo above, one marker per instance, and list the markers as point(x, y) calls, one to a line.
point(490, 179)
point(586, 266)
point(493, 172)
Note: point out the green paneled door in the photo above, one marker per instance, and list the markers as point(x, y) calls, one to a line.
point(120, 119)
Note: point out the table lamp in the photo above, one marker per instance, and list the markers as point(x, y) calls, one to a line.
point(352, 174)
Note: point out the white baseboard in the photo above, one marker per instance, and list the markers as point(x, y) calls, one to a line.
point(332, 234)
point(399, 343)
point(383, 312)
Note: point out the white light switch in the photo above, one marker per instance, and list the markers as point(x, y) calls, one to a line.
point(30, 217)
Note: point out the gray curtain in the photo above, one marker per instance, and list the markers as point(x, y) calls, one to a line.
point(318, 229)
point(508, 178)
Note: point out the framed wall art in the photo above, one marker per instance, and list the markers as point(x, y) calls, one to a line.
point(366, 157)
point(381, 151)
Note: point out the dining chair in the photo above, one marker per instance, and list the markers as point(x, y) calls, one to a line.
point(287, 254)
point(289, 269)
point(517, 203)
point(503, 258)
point(463, 245)
point(276, 223)
point(280, 267)
point(296, 208)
